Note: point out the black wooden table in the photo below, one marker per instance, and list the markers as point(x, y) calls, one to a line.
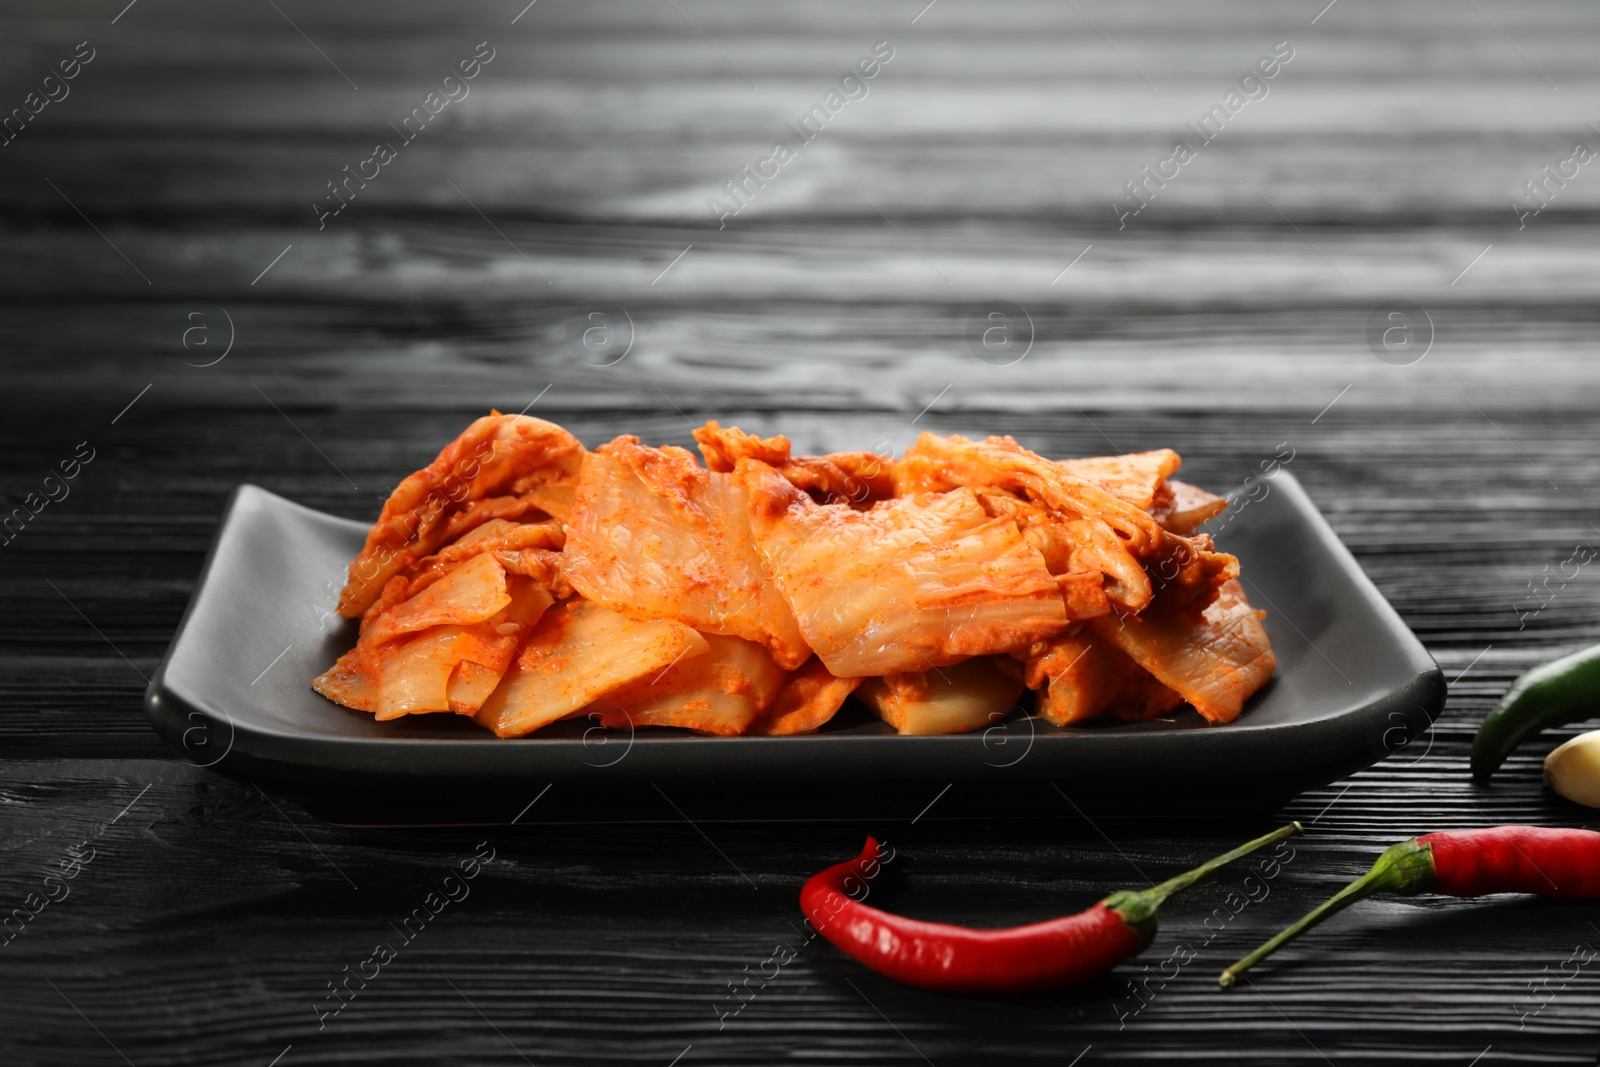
point(214, 275)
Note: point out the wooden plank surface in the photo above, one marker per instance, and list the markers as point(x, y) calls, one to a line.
point(177, 180)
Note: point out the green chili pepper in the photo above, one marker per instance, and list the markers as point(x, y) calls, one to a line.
point(1562, 691)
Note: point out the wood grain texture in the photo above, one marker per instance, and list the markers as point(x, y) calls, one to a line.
point(1228, 316)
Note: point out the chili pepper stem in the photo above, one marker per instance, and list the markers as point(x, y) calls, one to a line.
point(1403, 868)
point(1188, 878)
point(1139, 907)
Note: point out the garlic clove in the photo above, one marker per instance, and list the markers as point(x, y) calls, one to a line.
point(1573, 770)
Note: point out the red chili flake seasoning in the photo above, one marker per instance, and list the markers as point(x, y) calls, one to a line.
point(1542, 860)
point(1021, 959)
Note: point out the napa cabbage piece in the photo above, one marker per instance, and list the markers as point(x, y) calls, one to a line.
point(811, 698)
point(1111, 534)
point(854, 478)
point(482, 666)
point(1080, 676)
point(472, 683)
point(493, 536)
point(934, 463)
point(957, 699)
point(394, 671)
point(1216, 659)
point(578, 652)
point(656, 536)
point(469, 592)
point(414, 674)
point(531, 549)
point(481, 475)
point(349, 682)
point(720, 691)
point(542, 565)
point(1068, 559)
point(462, 524)
point(1133, 478)
point(1182, 508)
point(1189, 572)
point(1087, 558)
point(908, 584)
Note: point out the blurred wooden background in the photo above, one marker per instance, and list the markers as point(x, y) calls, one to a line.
point(163, 207)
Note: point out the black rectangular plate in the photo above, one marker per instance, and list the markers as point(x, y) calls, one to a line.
point(234, 692)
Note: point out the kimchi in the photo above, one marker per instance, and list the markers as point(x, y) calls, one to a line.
point(521, 579)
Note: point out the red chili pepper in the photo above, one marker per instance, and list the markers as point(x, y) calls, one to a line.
point(1022, 959)
point(1464, 863)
